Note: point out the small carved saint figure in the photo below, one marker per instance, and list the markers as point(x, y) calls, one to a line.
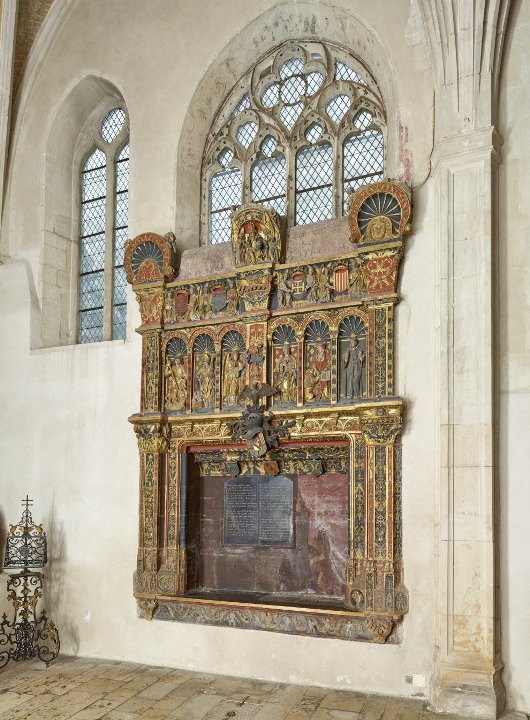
point(232, 377)
point(286, 375)
point(204, 381)
point(176, 383)
point(311, 285)
point(353, 361)
point(169, 306)
point(357, 284)
point(255, 359)
point(193, 312)
point(232, 299)
point(251, 243)
point(285, 294)
point(318, 374)
point(324, 288)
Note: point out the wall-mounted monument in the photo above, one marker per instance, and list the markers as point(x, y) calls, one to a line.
point(270, 462)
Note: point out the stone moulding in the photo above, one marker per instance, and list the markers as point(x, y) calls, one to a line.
point(320, 336)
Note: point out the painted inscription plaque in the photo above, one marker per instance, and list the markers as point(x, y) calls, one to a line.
point(258, 510)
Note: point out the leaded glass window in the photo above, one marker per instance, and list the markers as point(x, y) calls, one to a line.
point(103, 231)
point(303, 128)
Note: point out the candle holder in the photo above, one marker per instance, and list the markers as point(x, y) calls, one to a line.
point(30, 634)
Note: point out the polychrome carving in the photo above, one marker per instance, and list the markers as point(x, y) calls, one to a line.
point(314, 340)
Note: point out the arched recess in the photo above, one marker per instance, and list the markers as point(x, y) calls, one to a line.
point(303, 21)
point(69, 140)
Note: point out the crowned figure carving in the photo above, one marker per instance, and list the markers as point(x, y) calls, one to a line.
point(256, 236)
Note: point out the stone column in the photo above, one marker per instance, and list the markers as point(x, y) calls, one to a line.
point(467, 678)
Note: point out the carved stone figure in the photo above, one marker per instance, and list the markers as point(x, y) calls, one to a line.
point(255, 235)
point(353, 361)
point(324, 288)
point(357, 284)
point(204, 381)
point(232, 377)
point(318, 374)
point(286, 375)
point(169, 306)
point(255, 360)
point(176, 383)
point(285, 294)
point(311, 285)
point(193, 311)
point(232, 299)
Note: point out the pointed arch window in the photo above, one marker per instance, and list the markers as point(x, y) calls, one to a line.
point(102, 300)
point(301, 130)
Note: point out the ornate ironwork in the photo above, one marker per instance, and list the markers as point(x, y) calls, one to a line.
point(30, 634)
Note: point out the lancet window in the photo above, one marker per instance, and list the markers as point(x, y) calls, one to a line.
point(102, 296)
point(299, 132)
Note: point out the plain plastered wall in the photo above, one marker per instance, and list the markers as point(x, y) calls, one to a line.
point(66, 440)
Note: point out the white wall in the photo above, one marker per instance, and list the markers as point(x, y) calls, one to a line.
point(66, 440)
point(514, 366)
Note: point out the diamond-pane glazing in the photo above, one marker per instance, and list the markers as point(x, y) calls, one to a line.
point(292, 89)
point(93, 184)
point(344, 72)
point(119, 322)
point(92, 253)
point(268, 146)
point(225, 157)
point(120, 286)
point(314, 166)
point(112, 124)
point(120, 238)
point(91, 290)
point(337, 107)
point(314, 205)
point(289, 114)
point(225, 189)
point(243, 104)
point(93, 217)
point(246, 133)
point(268, 180)
point(363, 161)
point(90, 326)
point(220, 227)
point(271, 95)
point(314, 178)
point(95, 160)
point(362, 120)
point(313, 132)
point(294, 66)
point(122, 204)
point(314, 82)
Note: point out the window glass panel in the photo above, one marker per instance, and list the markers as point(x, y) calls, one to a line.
point(294, 66)
point(338, 107)
point(246, 133)
point(344, 72)
point(92, 247)
point(91, 325)
point(289, 114)
point(225, 191)
point(112, 124)
point(119, 299)
point(314, 180)
point(243, 104)
point(268, 183)
point(91, 290)
point(363, 159)
point(314, 82)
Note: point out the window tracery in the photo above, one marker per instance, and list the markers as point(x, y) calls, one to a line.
point(299, 131)
point(102, 290)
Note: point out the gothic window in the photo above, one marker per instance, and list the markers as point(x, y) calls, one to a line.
point(102, 294)
point(298, 133)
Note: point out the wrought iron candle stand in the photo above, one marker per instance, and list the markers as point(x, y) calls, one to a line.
point(30, 634)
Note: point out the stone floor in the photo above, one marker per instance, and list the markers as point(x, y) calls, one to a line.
point(91, 689)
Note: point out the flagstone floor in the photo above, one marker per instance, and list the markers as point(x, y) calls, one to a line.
point(84, 689)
